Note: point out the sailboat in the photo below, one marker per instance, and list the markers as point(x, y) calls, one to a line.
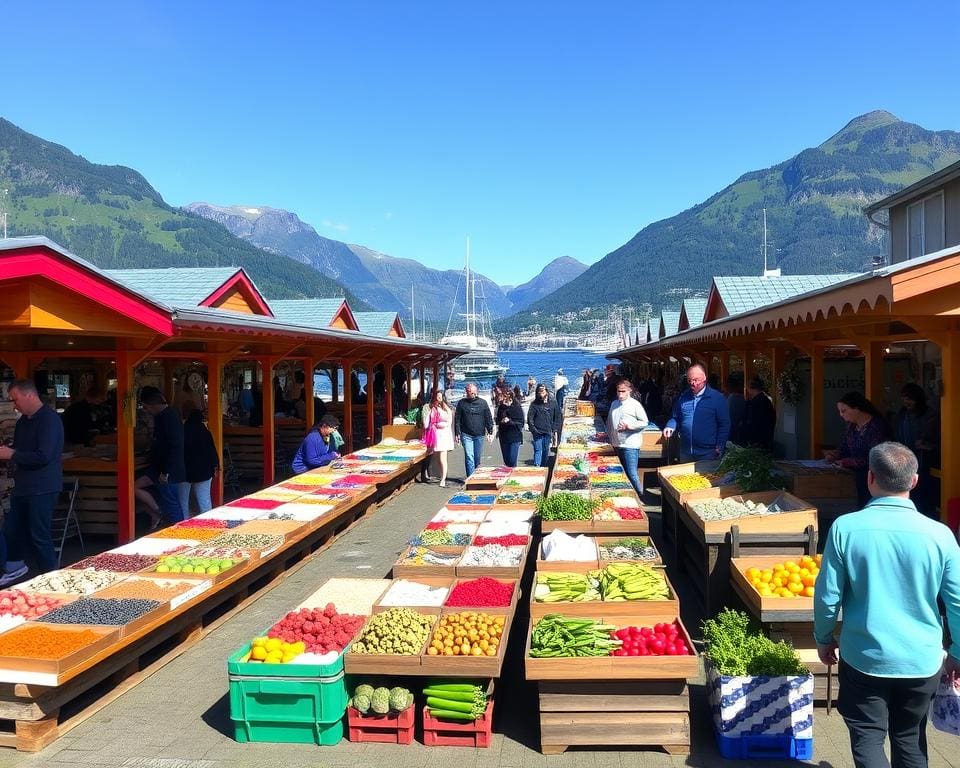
point(481, 362)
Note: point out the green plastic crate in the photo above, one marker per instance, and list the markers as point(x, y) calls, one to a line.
point(290, 703)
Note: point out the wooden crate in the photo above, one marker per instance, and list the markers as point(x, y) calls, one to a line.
point(592, 668)
point(609, 540)
point(575, 566)
point(798, 515)
point(669, 470)
point(654, 713)
point(469, 666)
point(388, 663)
point(671, 509)
point(826, 482)
point(403, 570)
point(613, 610)
point(430, 581)
point(767, 608)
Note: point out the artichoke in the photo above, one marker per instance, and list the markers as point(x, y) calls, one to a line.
point(361, 703)
point(364, 690)
point(400, 699)
point(380, 701)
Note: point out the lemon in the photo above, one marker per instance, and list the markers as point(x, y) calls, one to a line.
point(259, 653)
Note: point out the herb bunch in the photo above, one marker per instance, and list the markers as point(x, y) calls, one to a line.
point(736, 648)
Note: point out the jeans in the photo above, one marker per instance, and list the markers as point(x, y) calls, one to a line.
point(168, 497)
point(472, 451)
point(629, 460)
point(541, 450)
point(869, 705)
point(561, 396)
point(511, 452)
point(201, 491)
point(31, 515)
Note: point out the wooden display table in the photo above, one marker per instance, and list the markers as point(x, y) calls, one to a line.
point(705, 549)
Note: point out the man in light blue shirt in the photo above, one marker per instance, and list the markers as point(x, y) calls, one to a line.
point(884, 567)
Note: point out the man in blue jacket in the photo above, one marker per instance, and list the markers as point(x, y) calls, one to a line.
point(884, 567)
point(701, 417)
point(319, 447)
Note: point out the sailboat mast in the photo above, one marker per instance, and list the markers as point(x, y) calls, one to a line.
point(413, 313)
point(468, 297)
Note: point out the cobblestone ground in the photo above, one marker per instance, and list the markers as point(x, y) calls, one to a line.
point(180, 718)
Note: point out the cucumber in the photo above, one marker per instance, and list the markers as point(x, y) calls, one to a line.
point(450, 706)
point(448, 715)
point(450, 695)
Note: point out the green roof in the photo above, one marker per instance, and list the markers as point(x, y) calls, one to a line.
point(670, 320)
point(694, 309)
point(745, 293)
point(375, 323)
point(312, 313)
point(183, 287)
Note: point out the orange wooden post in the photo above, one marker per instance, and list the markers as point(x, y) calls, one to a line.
point(748, 369)
point(950, 422)
point(309, 366)
point(388, 403)
point(816, 402)
point(269, 409)
point(873, 374)
point(371, 405)
point(215, 420)
point(724, 368)
point(126, 420)
point(348, 405)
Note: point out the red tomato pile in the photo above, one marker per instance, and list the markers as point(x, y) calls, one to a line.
point(659, 640)
point(15, 602)
point(323, 630)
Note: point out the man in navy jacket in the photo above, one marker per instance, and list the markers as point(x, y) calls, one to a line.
point(701, 417)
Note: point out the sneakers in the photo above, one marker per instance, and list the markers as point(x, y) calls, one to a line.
point(443, 483)
point(12, 576)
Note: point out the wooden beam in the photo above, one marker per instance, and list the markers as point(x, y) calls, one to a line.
point(816, 403)
point(309, 366)
point(269, 426)
point(215, 365)
point(873, 372)
point(388, 397)
point(126, 421)
point(348, 405)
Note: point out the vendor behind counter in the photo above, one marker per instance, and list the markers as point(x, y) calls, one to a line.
point(82, 420)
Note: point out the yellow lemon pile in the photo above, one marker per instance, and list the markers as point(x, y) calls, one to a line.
point(789, 579)
point(273, 650)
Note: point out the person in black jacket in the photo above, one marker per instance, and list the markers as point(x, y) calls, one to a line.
point(166, 469)
point(471, 421)
point(759, 417)
point(543, 420)
point(201, 462)
point(510, 429)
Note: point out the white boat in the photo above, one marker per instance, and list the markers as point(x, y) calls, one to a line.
point(481, 362)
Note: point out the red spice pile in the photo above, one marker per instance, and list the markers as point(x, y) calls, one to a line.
point(507, 540)
point(483, 592)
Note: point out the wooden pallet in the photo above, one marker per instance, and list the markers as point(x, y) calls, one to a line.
point(649, 713)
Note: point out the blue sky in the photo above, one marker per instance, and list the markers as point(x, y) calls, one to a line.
point(538, 129)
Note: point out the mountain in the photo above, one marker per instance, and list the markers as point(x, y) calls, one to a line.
point(814, 203)
point(111, 216)
point(557, 273)
point(283, 233)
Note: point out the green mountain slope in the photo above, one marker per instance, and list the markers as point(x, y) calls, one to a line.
point(111, 216)
point(814, 205)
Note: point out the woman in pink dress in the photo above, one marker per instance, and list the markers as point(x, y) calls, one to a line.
point(440, 423)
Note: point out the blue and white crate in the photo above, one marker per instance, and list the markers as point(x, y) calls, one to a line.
point(762, 716)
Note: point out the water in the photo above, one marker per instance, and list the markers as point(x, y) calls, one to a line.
point(543, 367)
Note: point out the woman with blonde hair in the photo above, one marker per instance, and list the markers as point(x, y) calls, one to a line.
point(438, 433)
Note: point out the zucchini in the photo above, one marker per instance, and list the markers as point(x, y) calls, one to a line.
point(450, 706)
point(438, 685)
point(450, 695)
point(448, 715)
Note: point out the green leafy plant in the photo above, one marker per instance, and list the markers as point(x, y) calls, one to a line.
point(752, 467)
point(736, 647)
point(790, 385)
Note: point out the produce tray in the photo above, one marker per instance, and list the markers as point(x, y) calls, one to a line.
point(575, 566)
point(388, 663)
point(402, 570)
point(608, 610)
point(108, 636)
point(193, 587)
point(496, 571)
point(796, 519)
point(610, 540)
point(514, 599)
point(431, 581)
point(214, 578)
point(567, 526)
point(471, 500)
point(616, 667)
point(470, 666)
point(784, 609)
point(703, 467)
point(289, 529)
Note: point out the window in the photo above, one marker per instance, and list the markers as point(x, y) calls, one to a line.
point(925, 226)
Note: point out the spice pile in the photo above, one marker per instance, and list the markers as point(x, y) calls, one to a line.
point(163, 590)
point(97, 610)
point(35, 642)
point(71, 582)
point(506, 540)
point(636, 548)
point(429, 556)
point(415, 593)
point(491, 556)
point(247, 541)
point(481, 593)
point(111, 561)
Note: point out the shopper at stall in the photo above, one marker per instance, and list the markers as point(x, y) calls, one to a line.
point(917, 426)
point(201, 463)
point(585, 380)
point(36, 456)
point(438, 433)
point(700, 417)
point(80, 419)
point(759, 416)
point(166, 468)
point(865, 429)
point(560, 384)
point(471, 422)
point(884, 568)
point(509, 422)
point(500, 388)
point(625, 426)
point(319, 447)
point(543, 421)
